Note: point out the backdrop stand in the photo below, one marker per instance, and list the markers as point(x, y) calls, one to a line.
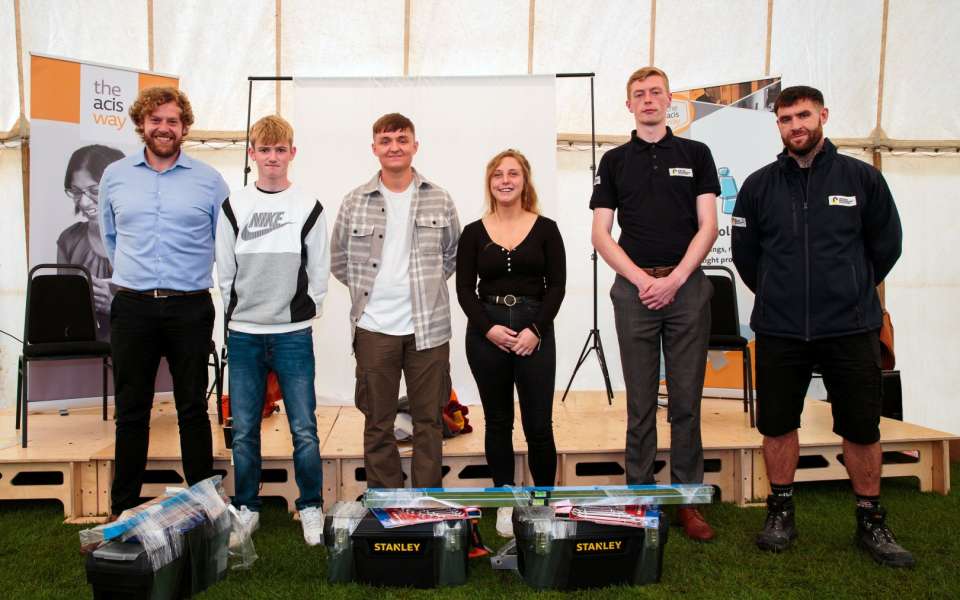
point(593, 342)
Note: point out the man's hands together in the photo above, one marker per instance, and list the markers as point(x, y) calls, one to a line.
point(656, 293)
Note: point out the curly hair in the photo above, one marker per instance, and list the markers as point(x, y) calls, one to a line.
point(528, 198)
point(153, 97)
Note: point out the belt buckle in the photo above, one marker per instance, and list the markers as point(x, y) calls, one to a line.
point(509, 300)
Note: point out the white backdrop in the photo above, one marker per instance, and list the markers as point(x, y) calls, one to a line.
point(461, 122)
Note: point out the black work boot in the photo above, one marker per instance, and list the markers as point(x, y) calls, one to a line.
point(875, 537)
point(779, 529)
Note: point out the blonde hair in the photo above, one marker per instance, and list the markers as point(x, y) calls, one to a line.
point(528, 197)
point(641, 74)
point(270, 131)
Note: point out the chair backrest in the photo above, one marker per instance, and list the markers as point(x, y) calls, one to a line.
point(59, 306)
point(724, 316)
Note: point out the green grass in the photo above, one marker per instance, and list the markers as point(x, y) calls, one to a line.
point(39, 556)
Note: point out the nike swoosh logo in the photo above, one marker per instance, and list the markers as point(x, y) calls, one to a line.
point(251, 234)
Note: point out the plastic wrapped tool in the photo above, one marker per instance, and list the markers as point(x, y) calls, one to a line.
point(163, 527)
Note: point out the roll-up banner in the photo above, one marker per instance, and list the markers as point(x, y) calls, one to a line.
point(79, 124)
point(736, 121)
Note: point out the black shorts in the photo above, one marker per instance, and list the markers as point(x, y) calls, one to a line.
point(850, 366)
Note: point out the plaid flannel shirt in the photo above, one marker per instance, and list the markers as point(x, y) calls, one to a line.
point(357, 246)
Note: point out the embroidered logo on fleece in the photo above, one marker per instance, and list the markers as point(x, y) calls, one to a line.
point(842, 200)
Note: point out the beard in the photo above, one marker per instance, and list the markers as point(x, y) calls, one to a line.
point(813, 139)
point(163, 151)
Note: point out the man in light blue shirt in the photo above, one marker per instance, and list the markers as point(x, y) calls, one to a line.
point(158, 216)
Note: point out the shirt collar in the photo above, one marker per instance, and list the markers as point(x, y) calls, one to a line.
point(374, 184)
point(641, 144)
point(182, 160)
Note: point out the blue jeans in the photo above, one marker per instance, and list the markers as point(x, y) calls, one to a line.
point(290, 355)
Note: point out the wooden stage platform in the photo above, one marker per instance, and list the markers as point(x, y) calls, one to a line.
point(70, 458)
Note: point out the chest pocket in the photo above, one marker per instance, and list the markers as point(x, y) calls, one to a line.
point(429, 233)
point(360, 243)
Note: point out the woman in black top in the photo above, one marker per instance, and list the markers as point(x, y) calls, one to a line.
point(519, 258)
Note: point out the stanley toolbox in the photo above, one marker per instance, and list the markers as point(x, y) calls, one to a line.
point(555, 553)
point(424, 555)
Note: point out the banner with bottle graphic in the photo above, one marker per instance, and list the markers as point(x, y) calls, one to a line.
point(736, 122)
point(79, 124)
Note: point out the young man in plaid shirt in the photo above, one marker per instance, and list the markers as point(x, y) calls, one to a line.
point(394, 245)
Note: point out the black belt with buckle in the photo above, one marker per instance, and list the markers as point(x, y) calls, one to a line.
point(162, 293)
point(510, 299)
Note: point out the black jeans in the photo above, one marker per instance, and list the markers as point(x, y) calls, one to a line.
point(497, 372)
point(144, 329)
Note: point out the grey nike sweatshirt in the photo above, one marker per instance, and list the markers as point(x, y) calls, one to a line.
point(273, 260)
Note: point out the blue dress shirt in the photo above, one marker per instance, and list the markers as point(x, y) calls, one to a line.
point(158, 227)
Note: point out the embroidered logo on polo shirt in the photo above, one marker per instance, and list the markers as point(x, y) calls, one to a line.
point(738, 221)
point(261, 224)
point(678, 172)
point(596, 180)
point(842, 200)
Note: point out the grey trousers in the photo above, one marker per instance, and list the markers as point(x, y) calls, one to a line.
point(684, 328)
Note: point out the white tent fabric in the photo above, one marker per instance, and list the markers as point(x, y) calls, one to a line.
point(13, 274)
point(112, 34)
point(213, 45)
point(712, 41)
point(323, 40)
point(460, 37)
point(923, 288)
point(841, 61)
point(920, 92)
point(573, 36)
point(222, 46)
point(9, 99)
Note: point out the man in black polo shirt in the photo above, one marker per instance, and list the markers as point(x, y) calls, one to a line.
point(665, 189)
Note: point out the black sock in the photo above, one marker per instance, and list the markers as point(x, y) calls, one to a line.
point(871, 503)
point(781, 492)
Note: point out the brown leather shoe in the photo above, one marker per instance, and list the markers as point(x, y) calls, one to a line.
point(694, 525)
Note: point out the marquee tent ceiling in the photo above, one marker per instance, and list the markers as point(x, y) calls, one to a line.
point(213, 45)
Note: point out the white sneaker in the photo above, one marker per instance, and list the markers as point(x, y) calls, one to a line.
point(505, 521)
point(311, 518)
point(249, 522)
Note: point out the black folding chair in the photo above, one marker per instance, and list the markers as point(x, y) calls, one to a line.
point(59, 325)
point(725, 328)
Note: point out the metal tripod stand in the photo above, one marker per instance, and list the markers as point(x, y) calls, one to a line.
point(593, 342)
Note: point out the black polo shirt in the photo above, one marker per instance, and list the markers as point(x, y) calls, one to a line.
point(654, 188)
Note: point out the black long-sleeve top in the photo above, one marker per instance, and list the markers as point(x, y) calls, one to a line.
point(536, 267)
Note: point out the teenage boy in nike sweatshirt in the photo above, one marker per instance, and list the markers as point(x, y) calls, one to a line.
point(273, 261)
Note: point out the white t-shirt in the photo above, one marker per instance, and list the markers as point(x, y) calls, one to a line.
point(390, 308)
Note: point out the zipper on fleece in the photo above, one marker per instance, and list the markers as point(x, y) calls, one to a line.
point(806, 256)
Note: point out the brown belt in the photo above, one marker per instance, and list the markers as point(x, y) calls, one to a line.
point(658, 272)
point(161, 293)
